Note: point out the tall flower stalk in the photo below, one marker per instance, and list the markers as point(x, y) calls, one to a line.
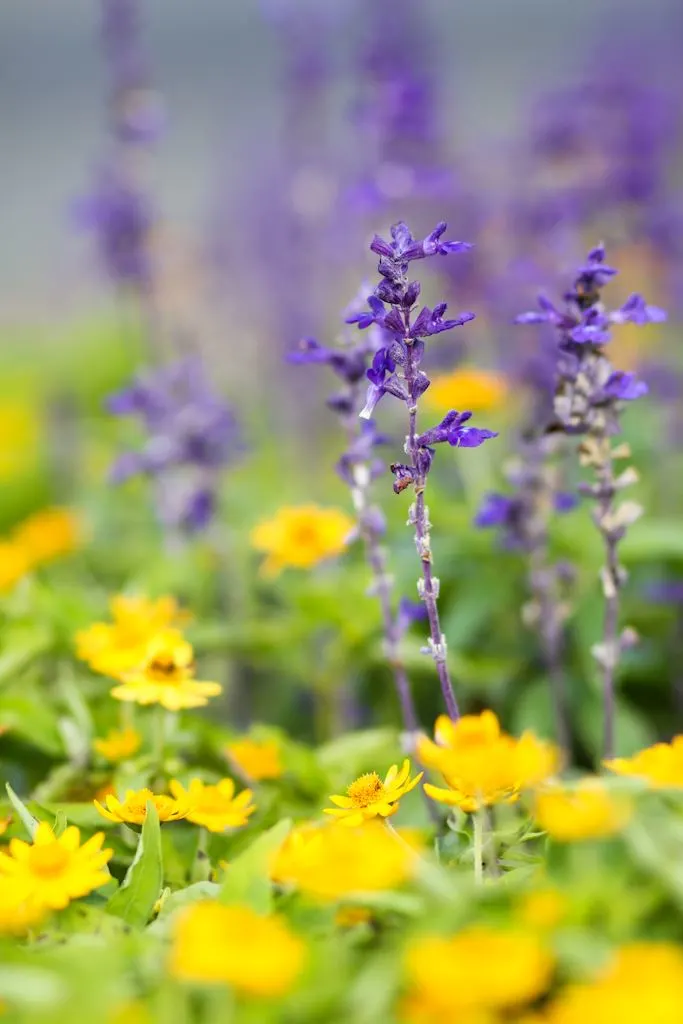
point(588, 402)
point(359, 468)
point(396, 371)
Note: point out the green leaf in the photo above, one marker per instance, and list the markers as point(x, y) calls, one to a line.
point(653, 540)
point(60, 823)
point(30, 823)
point(247, 879)
point(182, 898)
point(134, 900)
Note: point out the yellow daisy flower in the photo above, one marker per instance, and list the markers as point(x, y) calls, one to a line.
point(53, 870)
point(481, 765)
point(643, 981)
point(465, 388)
point(118, 744)
point(331, 862)
point(166, 676)
point(215, 807)
point(257, 956)
point(300, 536)
point(14, 565)
point(132, 810)
point(116, 647)
point(369, 797)
point(585, 810)
point(49, 534)
point(256, 759)
point(16, 915)
point(661, 765)
point(479, 969)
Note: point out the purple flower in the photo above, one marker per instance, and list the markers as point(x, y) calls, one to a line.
point(624, 387)
point(593, 329)
point(564, 501)
point(636, 311)
point(452, 430)
point(191, 434)
point(403, 248)
point(495, 510)
point(430, 321)
point(121, 217)
point(409, 612)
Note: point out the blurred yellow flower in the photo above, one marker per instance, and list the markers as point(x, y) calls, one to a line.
point(166, 676)
point(53, 870)
point(17, 915)
point(14, 565)
point(258, 759)
point(19, 432)
point(466, 388)
point(132, 810)
point(113, 648)
point(118, 744)
point(351, 917)
point(300, 536)
point(369, 797)
point(661, 765)
point(482, 765)
point(330, 862)
point(257, 956)
point(583, 810)
point(642, 982)
point(542, 909)
point(215, 807)
point(479, 969)
point(49, 534)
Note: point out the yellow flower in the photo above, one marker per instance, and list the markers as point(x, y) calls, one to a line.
point(257, 956)
point(642, 982)
point(369, 797)
point(482, 765)
point(14, 565)
point(479, 969)
point(585, 810)
point(113, 648)
point(18, 437)
point(16, 915)
point(256, 759)
point(166, 676)
point(330, 862)
point(542, 909)
point(661, 765)
point(53, 870)
point(49, 534)
point(215, 807)
point(118, 744)
point(301, 536)
point(466, 388)
point(133, 809)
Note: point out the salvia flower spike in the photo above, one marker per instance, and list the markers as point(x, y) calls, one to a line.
point(396, 371)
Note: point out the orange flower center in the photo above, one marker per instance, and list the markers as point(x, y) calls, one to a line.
point(48, 861)
point(365, 790)
point(164, 669)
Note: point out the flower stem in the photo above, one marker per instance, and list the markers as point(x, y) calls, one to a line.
point(419, 518)
point(478, 824)
point(381, 587)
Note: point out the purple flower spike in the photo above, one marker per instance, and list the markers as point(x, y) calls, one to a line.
point(494, 510)
point(452, 430)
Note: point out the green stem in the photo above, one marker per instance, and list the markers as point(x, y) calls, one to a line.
point(201, 866)
point(478, 849)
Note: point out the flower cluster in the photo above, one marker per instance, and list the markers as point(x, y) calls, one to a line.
point(43, 537)
point(192, 434)
point(215, 807)
point(482, 765)
point(147, 654)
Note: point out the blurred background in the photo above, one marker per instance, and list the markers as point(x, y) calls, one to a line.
point(204, 178)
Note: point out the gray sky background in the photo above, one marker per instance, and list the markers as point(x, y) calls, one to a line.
point(216, 62)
